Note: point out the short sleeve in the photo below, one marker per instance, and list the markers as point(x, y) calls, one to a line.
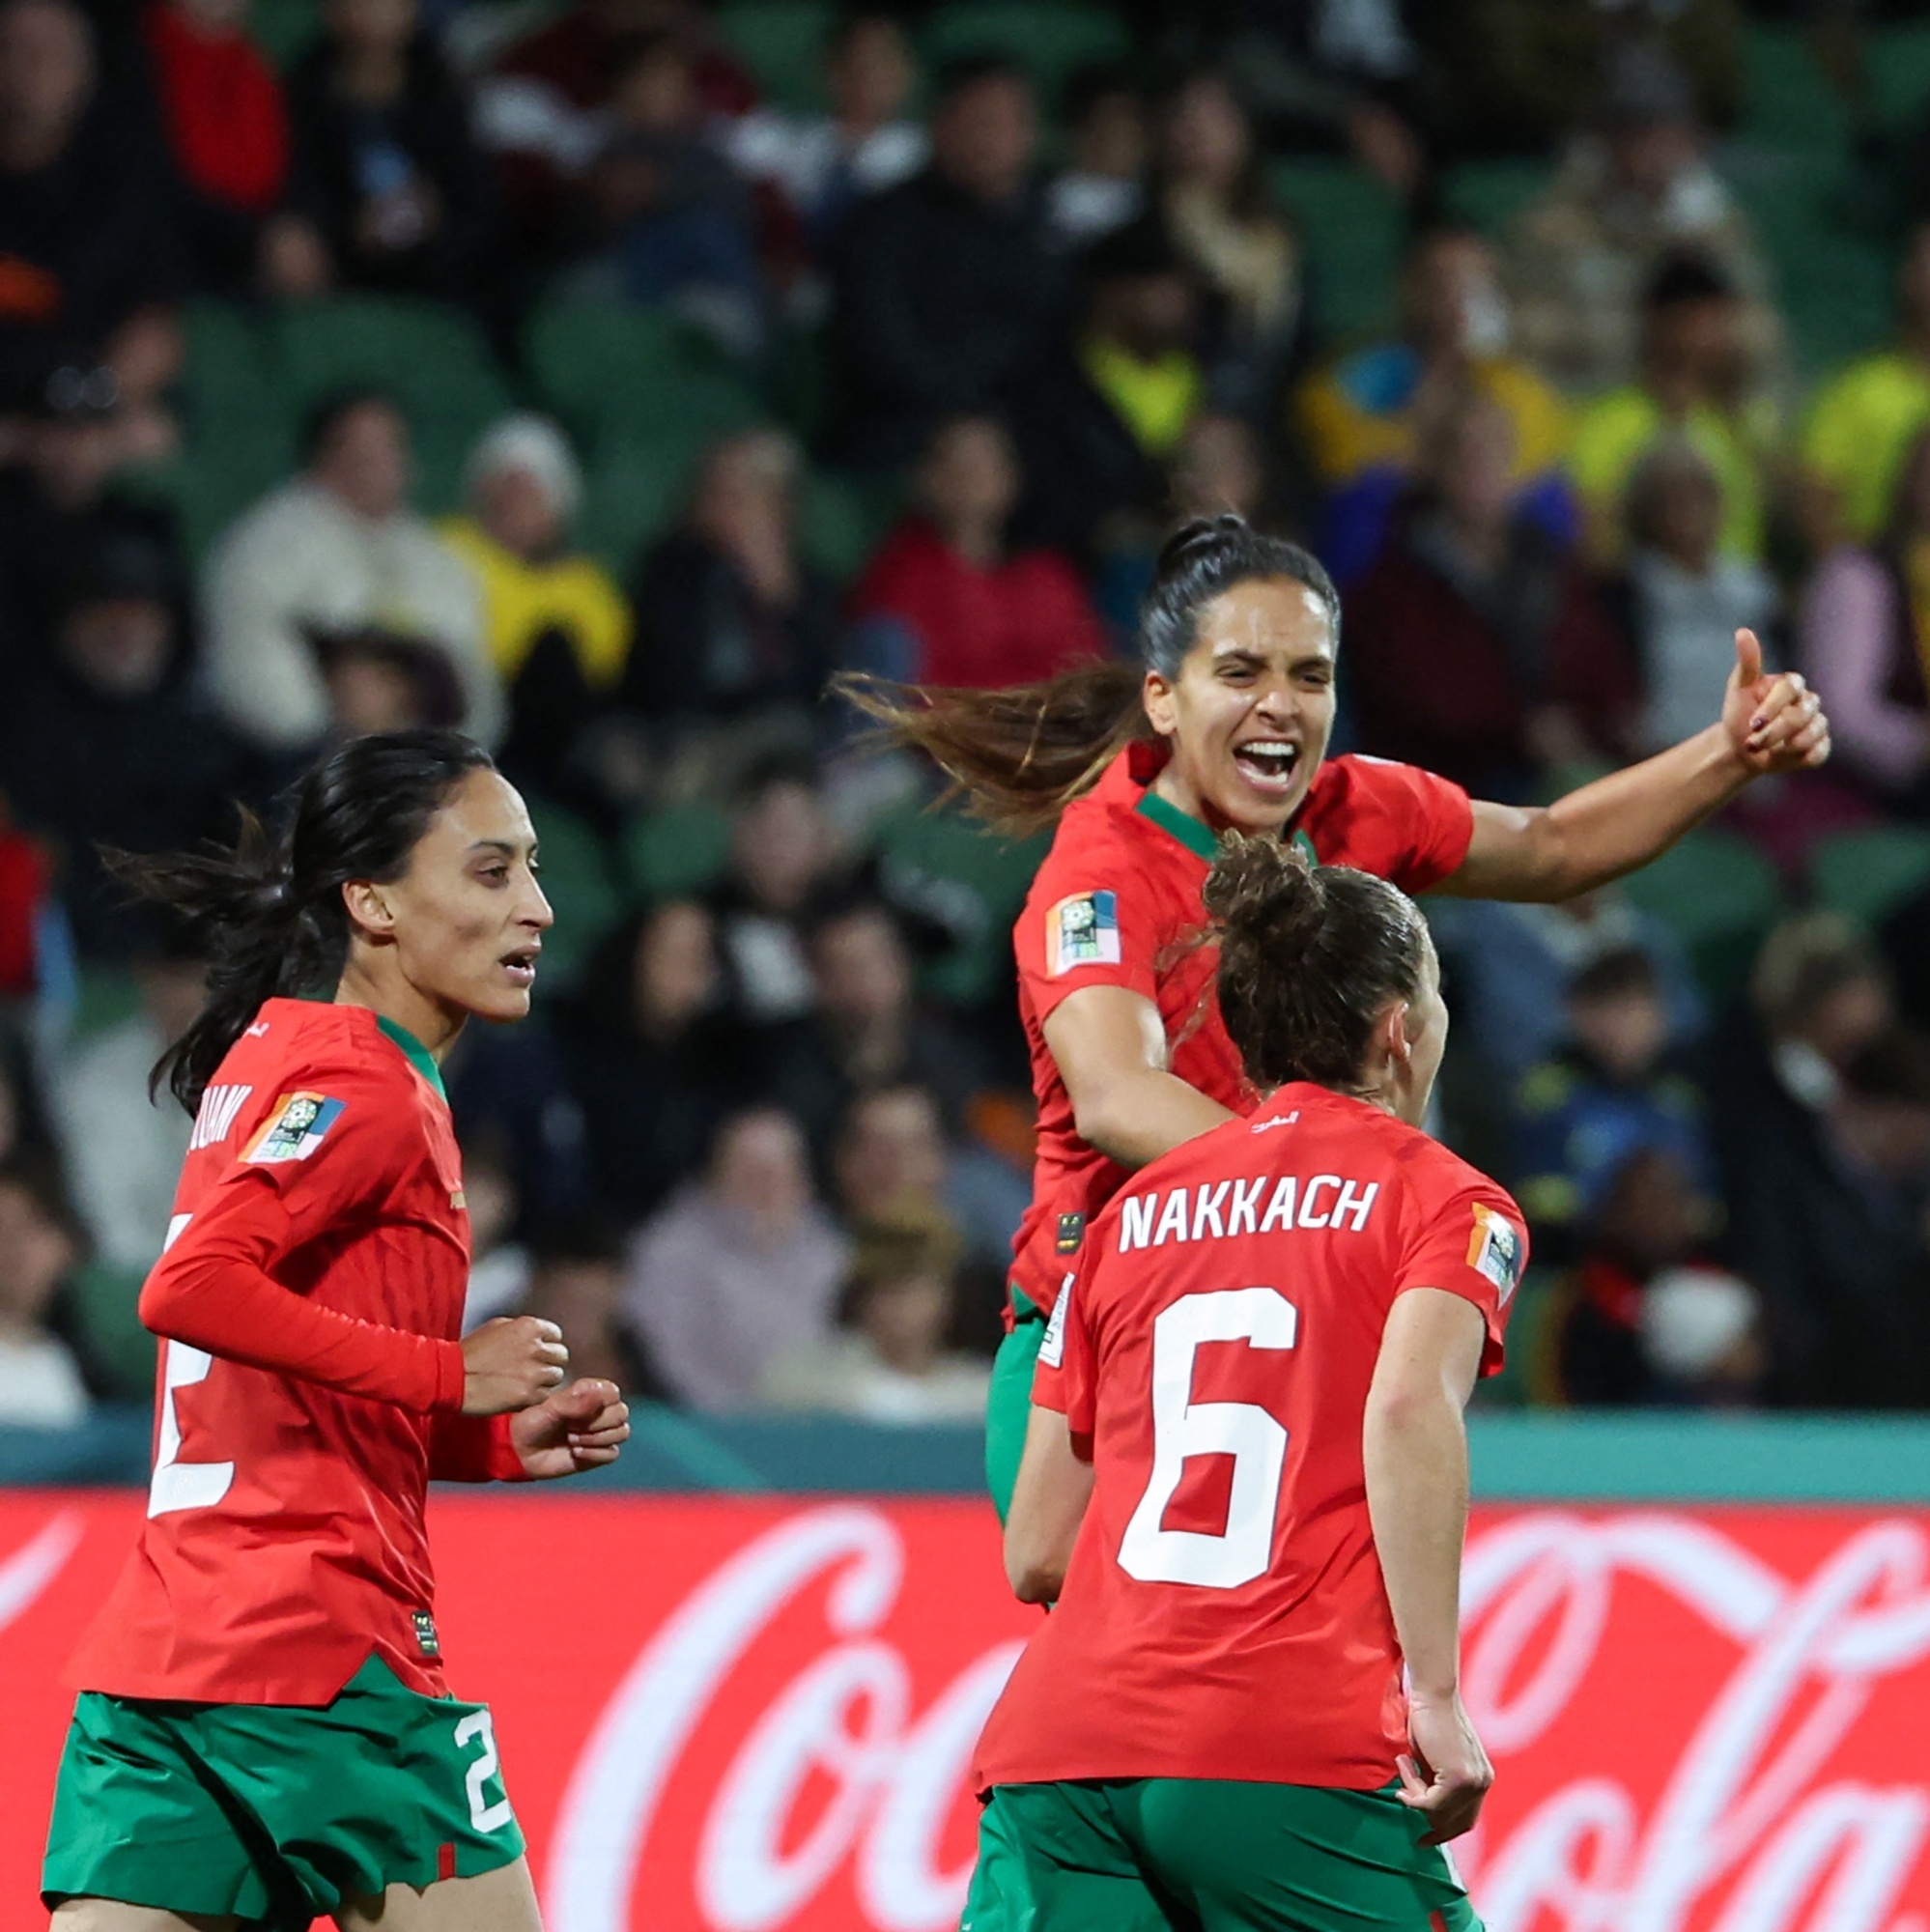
point(1475, 1246)
point(1089, 921)
point(1063, 1378)
point(1420, 824)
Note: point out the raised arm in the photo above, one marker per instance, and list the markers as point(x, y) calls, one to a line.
point(1109, 1047)
point(1416, 1450)
point(1619, 823)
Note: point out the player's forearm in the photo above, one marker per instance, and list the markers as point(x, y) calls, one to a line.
point(1416, 1456)
point(1049, 1499)
point(223, 1303)
point(1136, 1116)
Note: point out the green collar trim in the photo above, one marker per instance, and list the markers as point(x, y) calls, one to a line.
point(1198, 839)
point(416, 1054)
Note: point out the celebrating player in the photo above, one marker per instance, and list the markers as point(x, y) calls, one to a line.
point(1248, 1440)
point(264, 1735)
point(1226, 725)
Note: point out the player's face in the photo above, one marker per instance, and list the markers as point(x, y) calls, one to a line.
point(1249, 713)
point(1425, 1025)
point(466, 919)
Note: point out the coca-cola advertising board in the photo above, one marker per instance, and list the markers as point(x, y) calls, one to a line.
point(755, 1716)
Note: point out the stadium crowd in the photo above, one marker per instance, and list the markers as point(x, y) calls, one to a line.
point(603, 376)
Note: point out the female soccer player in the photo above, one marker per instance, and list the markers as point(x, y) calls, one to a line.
point(264, 1735)
point(1225, 725)
point(1259, 1369)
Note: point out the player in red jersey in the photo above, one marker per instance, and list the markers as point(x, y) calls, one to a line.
point(1246, 1485)
point(1224, 724)
point(263, 1734)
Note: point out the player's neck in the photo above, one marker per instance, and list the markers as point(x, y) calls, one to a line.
point(391, 997)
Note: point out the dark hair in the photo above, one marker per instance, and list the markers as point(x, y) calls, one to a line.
point(1894, 1067)
point(329, 412)
point(967, 71)
point(268, 910)
point(1096, 81)
point(1618, 973)
point(1683, 277)
point(1310, 955)
point(1021, 756)
point(853, 22)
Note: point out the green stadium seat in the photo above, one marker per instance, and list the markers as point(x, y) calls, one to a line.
point(632, 493)
point(1897, 71)
point(1050, 42)
point(1868, 874)
point(783, 42)
point(842, 523)
point(103, 996)
point(1353, 227)
point(285, 29)
point(615, 373)
point(1720, 894)
point(1787, 102)
point(1489, 194)
point(106, 1300)
point(679, 850)
point(582, 887)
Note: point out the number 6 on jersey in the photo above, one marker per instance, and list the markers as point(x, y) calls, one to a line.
point(1182, 1428)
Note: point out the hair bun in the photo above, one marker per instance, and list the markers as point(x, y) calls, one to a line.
point(1198, 533)
point(1263, 891)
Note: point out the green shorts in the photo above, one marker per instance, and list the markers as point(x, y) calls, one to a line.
point(1200, 1854)
point(1008, 1405)
point(275, 1812)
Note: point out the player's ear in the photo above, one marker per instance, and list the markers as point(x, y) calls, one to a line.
point(1161, 712)
point(367, 906)
point(1394, 1036)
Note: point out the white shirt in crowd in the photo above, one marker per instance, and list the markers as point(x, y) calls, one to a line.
point(803, 156)
point(1686, 626)
point(842, 1373)
point(40, 1386)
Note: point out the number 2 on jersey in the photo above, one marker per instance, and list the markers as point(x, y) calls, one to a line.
point(179, 1485)
point(1182, 1428)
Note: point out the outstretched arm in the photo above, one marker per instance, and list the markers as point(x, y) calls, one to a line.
point(1620, 822)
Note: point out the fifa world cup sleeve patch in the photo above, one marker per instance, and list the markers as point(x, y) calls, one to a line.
point(1494, 1250)
point(1083, 930)
point(298, 1127)
point(1052, 1350)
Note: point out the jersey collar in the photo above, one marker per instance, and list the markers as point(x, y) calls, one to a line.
point(1197, 837)
point(416, 1054)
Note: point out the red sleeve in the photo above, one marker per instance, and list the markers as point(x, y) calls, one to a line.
point(1419, 826)
point(473, 1449)
point(1088, 921)
point(1473, 1244)
point(1063, 1378)
point(213, 1289)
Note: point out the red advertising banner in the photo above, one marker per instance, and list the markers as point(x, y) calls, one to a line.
point(723, 1715)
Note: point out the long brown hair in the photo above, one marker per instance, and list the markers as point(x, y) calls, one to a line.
point(1021, 756)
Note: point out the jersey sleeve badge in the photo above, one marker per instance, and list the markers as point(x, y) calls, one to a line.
point(1494, 1250)
point(1052, 1349)
point(1083, 930)
point(298, 1127)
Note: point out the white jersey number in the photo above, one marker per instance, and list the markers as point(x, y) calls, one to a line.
point(1182, 1428)
point(179, 1485)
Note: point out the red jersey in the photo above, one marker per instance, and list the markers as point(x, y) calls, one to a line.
point(1224, 1614)
point(310, 1379)
point(1116, 903)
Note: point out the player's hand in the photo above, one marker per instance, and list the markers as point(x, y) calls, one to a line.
point(510, 1363)
point(1774, 724)
point(1448, 1774)
point(577, 1428)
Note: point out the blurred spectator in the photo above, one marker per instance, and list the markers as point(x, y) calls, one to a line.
point(90, 251)
point(577, 1281)
point(738, 1268)
point(946, 286)
point(868, 1029)
point(1866, 419)
point(1612, 1090)
point(1475, 647)
point(1685, 599)
point(559, 628)
point(509, 1093)
point(1637, 191)
point(380, 681)
point(823, 164)
point(1103, 184)
point(659, 216)
point(945, 601)
point(730, 620)
point(41, 1382)
point(1644, 1318)
point(1365, 415)
point(226, 123)
point(1865, 625)
point(499, 1262)
point(1212, 190)
point(783, 853)
point(388, 189)
point(1098, 416)
point(1695, 382)
point(34, 946)
point(105, 738)
point(334, 549)
point(122, 1150)
point(650, 1056)
point(886, 1361)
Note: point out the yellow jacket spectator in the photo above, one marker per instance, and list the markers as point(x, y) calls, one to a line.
point(1866, 416)
point(1693, 386)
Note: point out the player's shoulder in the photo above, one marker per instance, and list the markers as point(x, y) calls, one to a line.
point(289, 1038)
point(1360, 780)
point(1434, 1174)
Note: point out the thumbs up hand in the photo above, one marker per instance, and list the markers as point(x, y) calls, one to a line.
point(1774, 722)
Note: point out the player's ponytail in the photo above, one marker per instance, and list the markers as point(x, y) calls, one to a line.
point(1020, 756)
point(267, 911)
point(1310, 956)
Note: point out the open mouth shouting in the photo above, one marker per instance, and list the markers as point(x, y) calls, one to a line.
point(520, 966)
point(1268, 765)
